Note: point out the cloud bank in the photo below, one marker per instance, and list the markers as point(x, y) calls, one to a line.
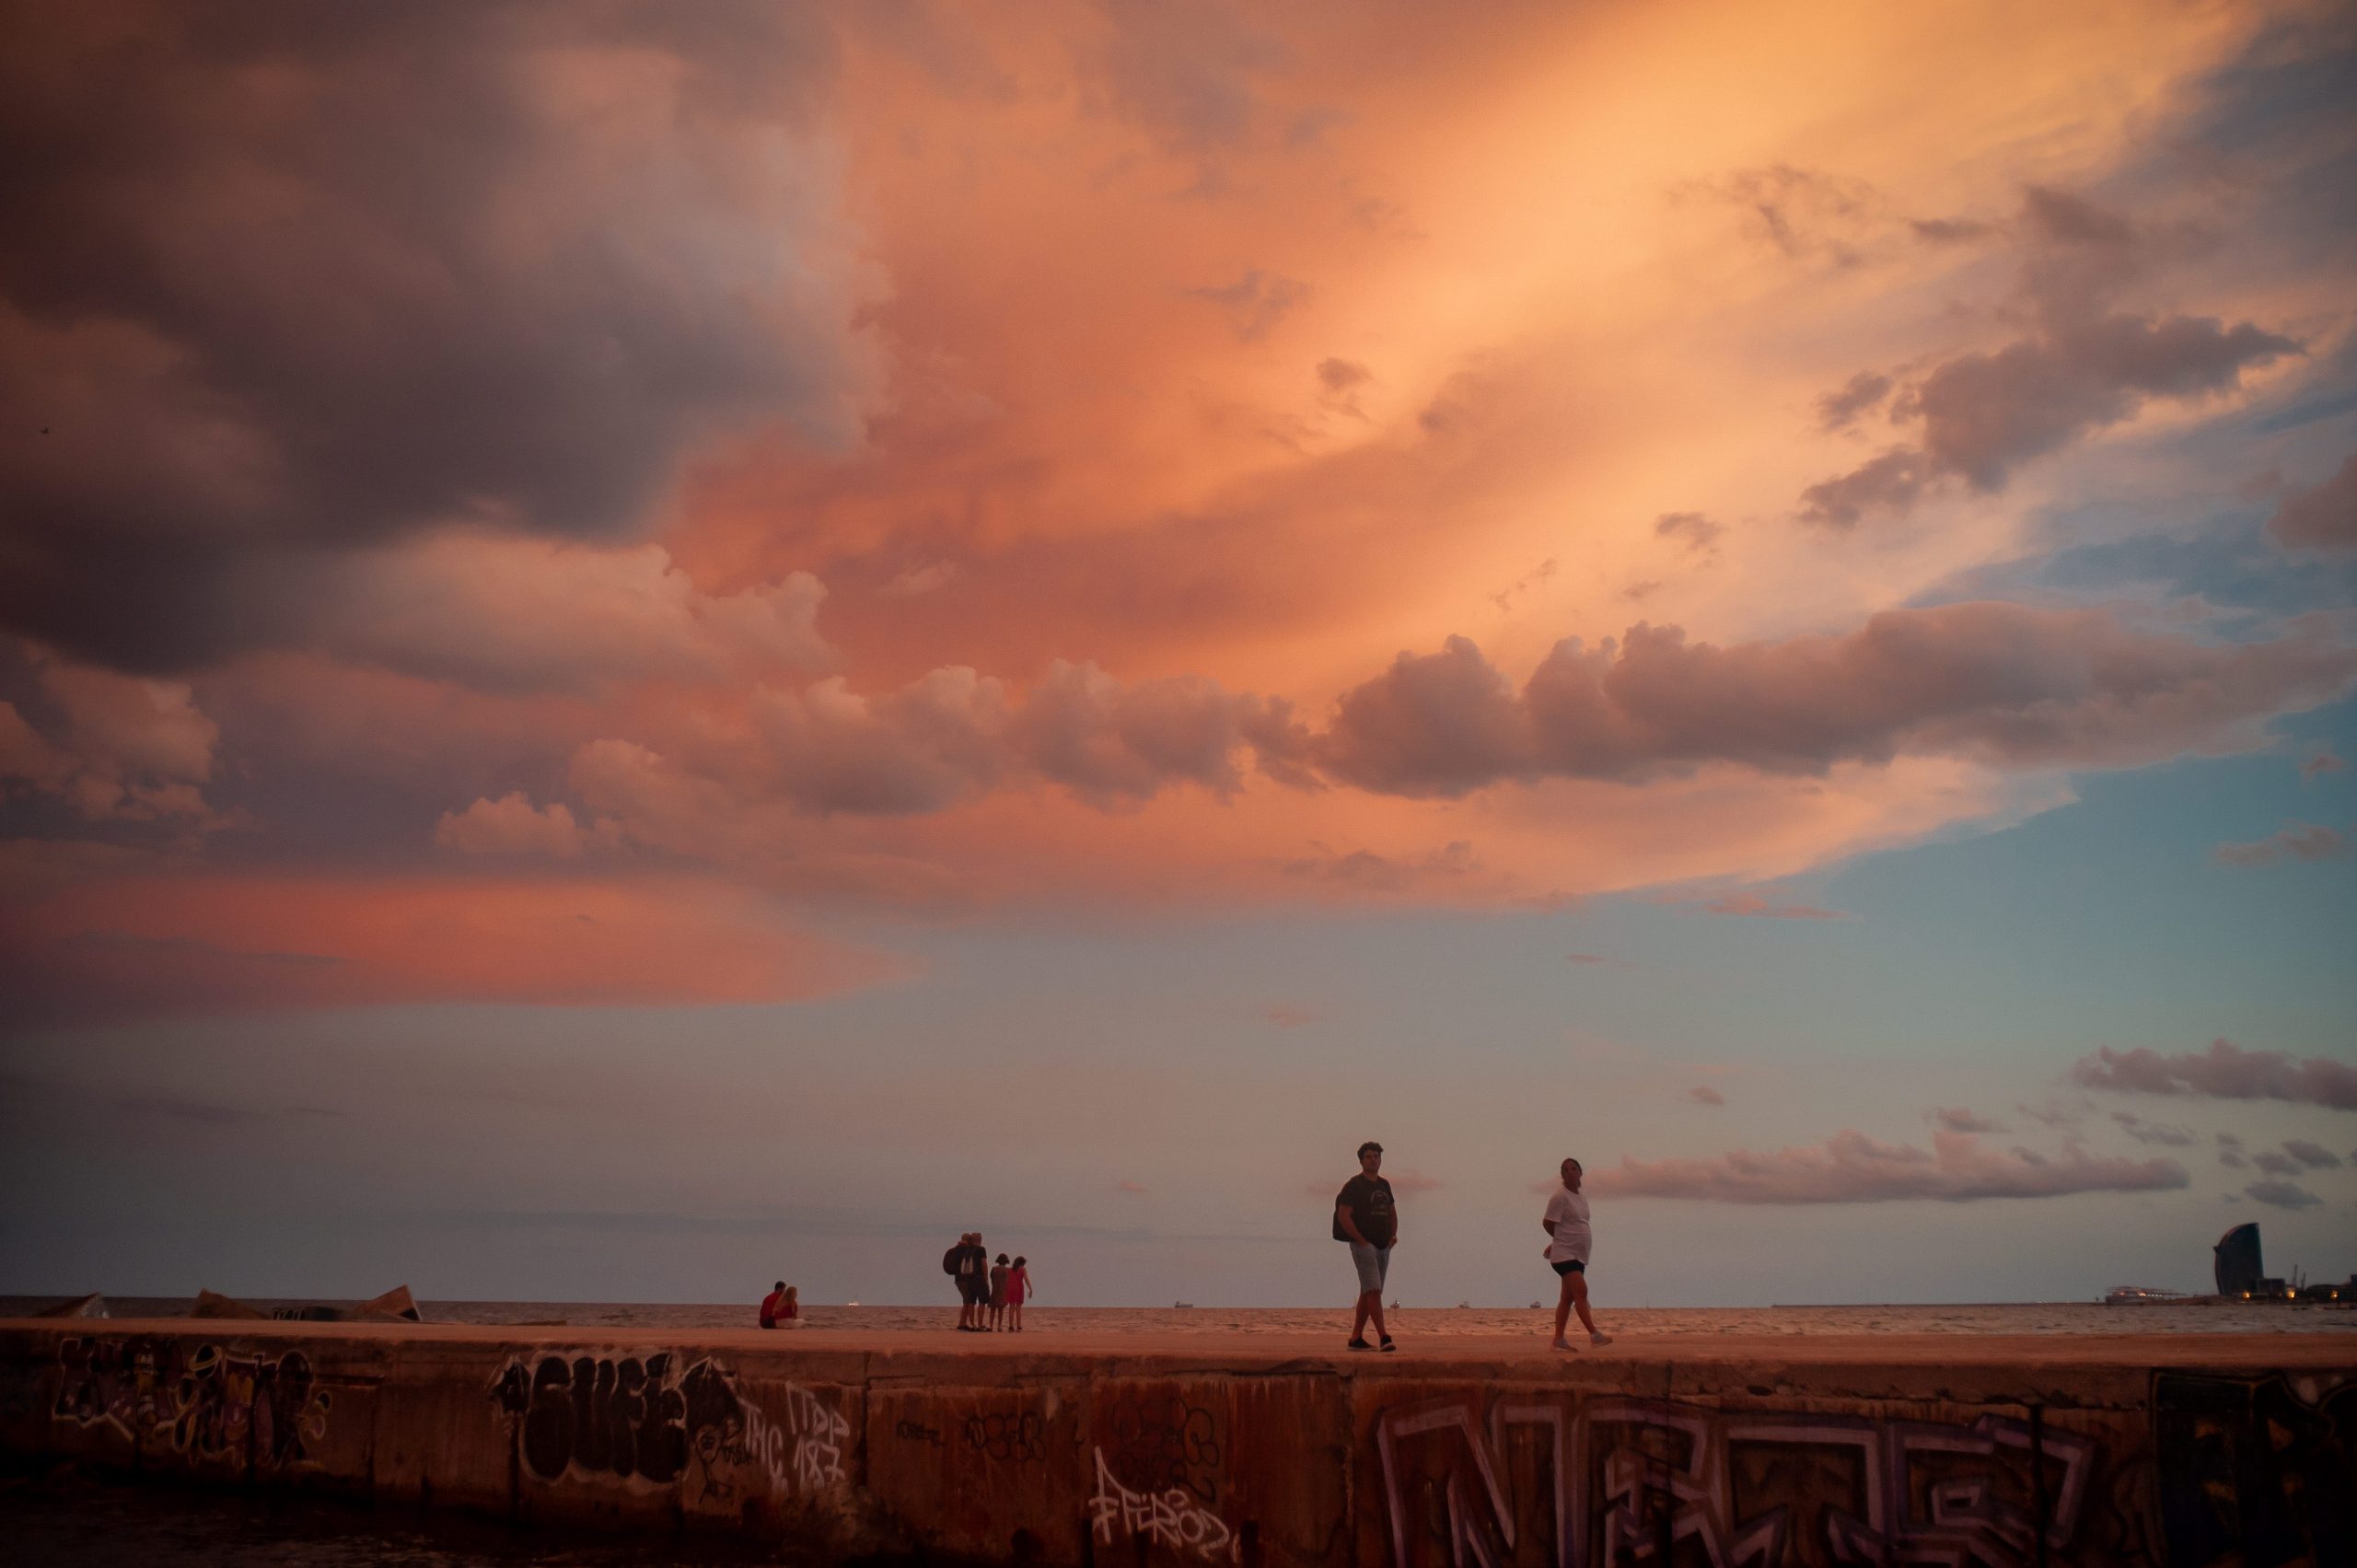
point(1850, 1167)
point(2223, 1072)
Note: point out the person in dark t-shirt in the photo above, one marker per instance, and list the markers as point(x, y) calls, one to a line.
point(1366, 1216)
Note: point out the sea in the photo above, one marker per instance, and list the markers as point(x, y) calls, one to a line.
point(71, 1517)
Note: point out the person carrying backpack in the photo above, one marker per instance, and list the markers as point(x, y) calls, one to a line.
point(969, 1265)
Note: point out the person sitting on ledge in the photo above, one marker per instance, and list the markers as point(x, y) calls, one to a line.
point(770, 1303)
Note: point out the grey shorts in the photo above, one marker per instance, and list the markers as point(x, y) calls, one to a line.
point(1373, 1264)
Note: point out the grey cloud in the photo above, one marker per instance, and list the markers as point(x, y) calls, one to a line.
point(1850, 1167)
point(2230, 1141)
point(1702, 1094)
point(1341, 375)
point(2283, 1195)
point(2159, 1132)
point(2233, 1159)
point(2274, 1164)
point(1256, 302)
point(1959, 1119)
point(2083, 367)
point(2314, 1156)
point(286, 280)
point(2223, 1072)
point(2323, 760)
point(1861, 394)
point(2301, 840)
point(1890, 482)
point(1692, 529)
point(2001, 683)
point(2324, 518)
point(1949, 231)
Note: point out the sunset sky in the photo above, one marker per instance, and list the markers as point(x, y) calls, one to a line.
point(648, 647)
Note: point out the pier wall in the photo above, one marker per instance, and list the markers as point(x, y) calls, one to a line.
point(2240, 1454)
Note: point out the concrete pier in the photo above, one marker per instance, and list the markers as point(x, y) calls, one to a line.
point(1249, 1450)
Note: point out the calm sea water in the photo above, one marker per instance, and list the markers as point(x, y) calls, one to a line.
point(70, 1517)
point(2028, 1318)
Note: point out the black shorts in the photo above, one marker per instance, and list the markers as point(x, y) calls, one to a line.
point(1572, 1266)
point(974, 1292)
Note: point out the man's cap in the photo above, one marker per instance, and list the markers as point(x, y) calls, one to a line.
point(1370, 1147)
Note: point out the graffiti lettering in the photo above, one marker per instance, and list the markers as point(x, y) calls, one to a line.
point(2260, 1470)
point(658, 1420)
point(1730, 1488)
point(1166, 1442)
point(1171, 1518)
point(1019, 1437)
point(211, 1402)
point(916, 1432)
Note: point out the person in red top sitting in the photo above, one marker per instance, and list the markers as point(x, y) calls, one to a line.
point(769, 1305)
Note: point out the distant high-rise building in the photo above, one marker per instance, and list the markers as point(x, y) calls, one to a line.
point(2239, 1267)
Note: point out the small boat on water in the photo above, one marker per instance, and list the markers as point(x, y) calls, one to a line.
point(1185, 1304)
point(2133, 1296)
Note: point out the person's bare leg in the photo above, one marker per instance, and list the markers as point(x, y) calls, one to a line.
point(1359, 1312)
point(1374, 1313)
point(1563, 1309)
point(1579, 1302)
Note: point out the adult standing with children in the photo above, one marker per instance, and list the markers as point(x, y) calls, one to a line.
point(1367, 1216)
point(1569, 1239)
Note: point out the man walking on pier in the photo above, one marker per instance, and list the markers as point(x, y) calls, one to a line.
point(1568, 1240)
point(1366, 1217)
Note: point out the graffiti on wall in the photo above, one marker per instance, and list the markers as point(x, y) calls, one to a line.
point(1623, 1481)
point(209, 1400)
point(1161, 1442)
point(1173, 1518)
point(2255, 1470)
point(663, 1418)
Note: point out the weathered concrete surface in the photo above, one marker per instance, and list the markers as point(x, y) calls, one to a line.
point(1251, 1449)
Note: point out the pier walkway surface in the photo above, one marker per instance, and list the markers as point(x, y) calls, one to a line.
point(1249, 1449)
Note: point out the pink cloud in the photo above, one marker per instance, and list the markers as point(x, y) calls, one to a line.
point(1958, 1119)
point(1702, 1094)
point(1286, 1016)
point(158, 946)
point(2301, 840)
point(1759, 904)
point(1411, 1179)
point(2223, 1072)
point(513, 825)
point(1132, 1188)
point(1850, 1167)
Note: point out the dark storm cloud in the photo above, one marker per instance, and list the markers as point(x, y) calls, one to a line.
point(284, 279)
point(2001, 683)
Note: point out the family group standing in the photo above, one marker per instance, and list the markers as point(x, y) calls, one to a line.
point(1367, 1216)
point(990, 1296)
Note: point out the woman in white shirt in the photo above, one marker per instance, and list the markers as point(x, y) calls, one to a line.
point(1568, 1238)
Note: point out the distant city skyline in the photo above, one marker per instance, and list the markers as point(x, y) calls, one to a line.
point(646, 650)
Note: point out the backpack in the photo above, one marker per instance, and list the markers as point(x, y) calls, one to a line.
point(951, 1258)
